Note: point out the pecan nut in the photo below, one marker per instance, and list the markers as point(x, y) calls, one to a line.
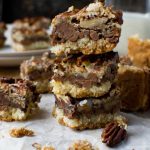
point(113, 134)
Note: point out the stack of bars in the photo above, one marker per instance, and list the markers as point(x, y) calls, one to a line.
point(84, 76)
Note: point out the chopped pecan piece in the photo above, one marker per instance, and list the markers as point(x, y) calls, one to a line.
point(113, 134)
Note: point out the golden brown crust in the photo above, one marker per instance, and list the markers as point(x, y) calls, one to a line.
point(139, 51)
point(134, 84)
point(20, 132)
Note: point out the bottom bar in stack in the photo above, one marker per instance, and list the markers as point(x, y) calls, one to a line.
point(87, 113)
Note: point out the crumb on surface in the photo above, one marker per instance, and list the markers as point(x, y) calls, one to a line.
point(20, 132)
point(39, 147)
point(82, 145)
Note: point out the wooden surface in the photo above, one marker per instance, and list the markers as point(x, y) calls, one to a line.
point(9, 72)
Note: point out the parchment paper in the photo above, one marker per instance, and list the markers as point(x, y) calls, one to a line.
point(49, 132)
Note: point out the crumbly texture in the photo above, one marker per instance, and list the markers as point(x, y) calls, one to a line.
point(20, 132)
point(85, 76)
point(73, 107)
point(43, 86)
point(139, 51)
point(79, 92)
point(95, 29)
point(84, 45)
point(84, 121)
point(18, 99)
point(39, 71)
point(134, 87)
point(39, 147)
point(32, 22)
point(82, 145)
point(15, 114)
point(29, 39)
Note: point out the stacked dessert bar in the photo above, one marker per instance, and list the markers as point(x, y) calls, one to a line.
point(84, 79)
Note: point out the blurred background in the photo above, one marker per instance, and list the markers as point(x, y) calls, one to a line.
point(14, 9)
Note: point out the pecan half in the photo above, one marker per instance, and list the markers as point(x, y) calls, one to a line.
point(113, 134)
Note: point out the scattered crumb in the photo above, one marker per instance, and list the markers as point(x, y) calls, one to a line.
point(48, 148)
point(82, 145)
point(39, 147)
point(20, 132)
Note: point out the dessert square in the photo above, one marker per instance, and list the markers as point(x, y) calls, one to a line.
point(2, 31)
point(85, 75)
point(87, 113)
point(139, 51)
point(134, 83)
point(25, 39)
point(39, 71)
point(74, 107)
point(18, 99)
point(95, 29)
point(32, 22)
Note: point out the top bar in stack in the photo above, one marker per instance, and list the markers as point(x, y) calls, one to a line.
point(95, 29)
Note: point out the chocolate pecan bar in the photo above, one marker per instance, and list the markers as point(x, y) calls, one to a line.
point(95, 29)
point(18, 99)
point(85, 75)
point(134, 85)
point(74, 107)
point(2, 31)
point(39, 71)
point(87, 112)
point(25, 39)
point(32, 22)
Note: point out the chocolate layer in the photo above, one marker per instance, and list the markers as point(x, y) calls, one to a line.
point(86, 71)
point(68, 32)
point(17, 93)
point(73, 107)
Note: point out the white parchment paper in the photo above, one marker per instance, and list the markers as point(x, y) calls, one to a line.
point(49, 132)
